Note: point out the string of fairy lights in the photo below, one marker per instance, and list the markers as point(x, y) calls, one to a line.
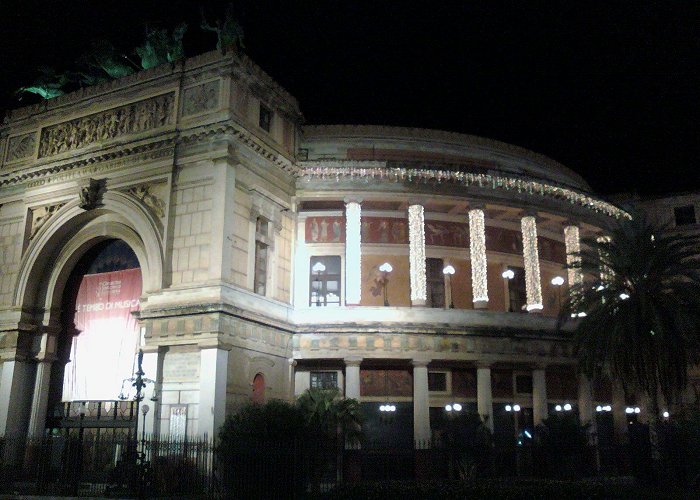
point(533, 287)
point(416, 252)
point(477, 249)
point(353, 252)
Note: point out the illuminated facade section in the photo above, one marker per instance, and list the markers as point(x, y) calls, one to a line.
point(477, 249)
point(416, 253)
point(533, 287)
point(353, 253)
point(572, 242)
point(606, 273)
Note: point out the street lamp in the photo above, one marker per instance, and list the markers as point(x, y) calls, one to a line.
point(448, 272)
point(318, 268)
point(558, 281)
point(508, 274)
point(385, 270)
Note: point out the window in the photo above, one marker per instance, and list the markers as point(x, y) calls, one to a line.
point(517, 295)
point(261, 255)
point(324, 281)
point(324, 380)
point(265, 118)
point(684, 215)
point(437, 381)
point(435, 283)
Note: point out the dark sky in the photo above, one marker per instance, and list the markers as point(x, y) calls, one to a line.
point(610, 89)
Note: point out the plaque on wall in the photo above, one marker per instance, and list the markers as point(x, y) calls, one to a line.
point(178, 422)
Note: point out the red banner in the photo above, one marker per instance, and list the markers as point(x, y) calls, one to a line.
point(104, 350)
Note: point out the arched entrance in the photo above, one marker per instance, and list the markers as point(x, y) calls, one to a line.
point(99, 340)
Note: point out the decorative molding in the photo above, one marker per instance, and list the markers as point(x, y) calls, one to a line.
point(136, 117)
point(201, 98)
point(146, 194)
point(20, 147)
point(41, 215)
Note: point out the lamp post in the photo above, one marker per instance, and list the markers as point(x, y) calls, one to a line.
point(558, 281)
point(385, 269)
point(318, 268)
point(508, 275)
point(448, 271)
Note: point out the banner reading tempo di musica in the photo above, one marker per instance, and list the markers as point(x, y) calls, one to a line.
point(103, 353)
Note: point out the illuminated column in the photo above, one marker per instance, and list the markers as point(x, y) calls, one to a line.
point(421, 403)
point(477, 251)
point(42, 381)
point(484, 398)
point(572, 242)
point(539, 396)
point(533, 287)
point(416, 254)
point(352, 377)
point(353, 252)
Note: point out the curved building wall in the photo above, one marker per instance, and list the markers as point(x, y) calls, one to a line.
point(262, 248)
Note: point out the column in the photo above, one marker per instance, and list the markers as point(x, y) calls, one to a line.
point(416, 254)
point(539, 396)
point(421, 404)
point(40, 400)
point(213, 372)
point(352, 377)
point(42, 380)
point(151, 369)
point(16, 380)
point(619, 403)
point(572, 243)
point(484, 399)
point(585, 401)
point(222, 217)
point(353, 252)
point(477, 252)
point(292, 378)
point(533, 286)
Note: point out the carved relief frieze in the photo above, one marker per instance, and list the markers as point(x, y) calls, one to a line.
point(40, 216)
point(201, 98)
point(150, 195)
point(132, 118)
point(21, 147)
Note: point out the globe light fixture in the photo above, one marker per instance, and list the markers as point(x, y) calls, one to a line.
point(508, 274)
point(385, 270)
point(624, 296)
point(318, 268)
point(567, 407)
point(557, 281)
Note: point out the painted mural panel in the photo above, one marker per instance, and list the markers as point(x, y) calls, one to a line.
point(325, 230)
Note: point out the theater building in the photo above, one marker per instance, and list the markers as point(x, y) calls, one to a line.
point(188, 212)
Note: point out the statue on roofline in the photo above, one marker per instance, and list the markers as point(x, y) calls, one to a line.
point(229, 33)
point(161, 47)
point(103, 58)
point(49, 84)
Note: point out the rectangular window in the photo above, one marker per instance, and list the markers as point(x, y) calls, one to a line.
point(324, 281)
point(517, 295)
point(437, 381)
point(261, 255)
point(324, 380)
point(435, 283)
point(265, 119)
point(684, 215)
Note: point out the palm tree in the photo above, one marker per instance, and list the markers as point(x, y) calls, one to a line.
point(641, 316)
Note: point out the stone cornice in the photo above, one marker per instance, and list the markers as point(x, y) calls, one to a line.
point(317, 132)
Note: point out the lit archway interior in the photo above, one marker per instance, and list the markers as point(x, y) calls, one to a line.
point(97, 350)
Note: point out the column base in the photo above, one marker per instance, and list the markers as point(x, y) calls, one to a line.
point(481, 304)
point(418, 303)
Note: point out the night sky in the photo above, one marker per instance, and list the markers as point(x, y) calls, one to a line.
point(610, 91)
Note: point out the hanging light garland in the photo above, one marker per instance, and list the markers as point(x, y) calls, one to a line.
point(533, 287)
point(336, 169)
point(416, 252)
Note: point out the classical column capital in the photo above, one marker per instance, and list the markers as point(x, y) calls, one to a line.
point(484, 364)
point(352, 361)
point(478, 205)
point(352, 199)
point(418, 363)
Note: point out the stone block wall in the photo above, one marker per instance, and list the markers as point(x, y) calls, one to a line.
point(11, 232)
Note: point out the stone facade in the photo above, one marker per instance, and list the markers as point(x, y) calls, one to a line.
point(229, 215)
